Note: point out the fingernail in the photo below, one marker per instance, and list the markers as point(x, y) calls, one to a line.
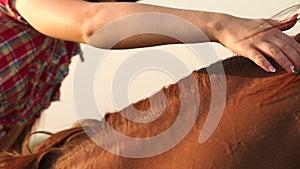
point(272, 69)
point(293, 69)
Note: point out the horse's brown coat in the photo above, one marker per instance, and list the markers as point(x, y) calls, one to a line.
point(260, 128)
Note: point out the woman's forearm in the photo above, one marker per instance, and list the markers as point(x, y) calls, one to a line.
point(77, 20)
point(162, 20)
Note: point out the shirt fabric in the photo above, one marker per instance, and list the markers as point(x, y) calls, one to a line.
point(32, 67)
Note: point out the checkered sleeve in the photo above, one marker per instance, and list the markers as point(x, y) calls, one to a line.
point(32, 68)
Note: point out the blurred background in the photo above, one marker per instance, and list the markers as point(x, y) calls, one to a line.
point(62, 114)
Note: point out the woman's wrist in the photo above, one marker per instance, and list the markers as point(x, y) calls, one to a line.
point(217, 26)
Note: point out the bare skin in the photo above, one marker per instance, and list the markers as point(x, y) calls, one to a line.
point(78, 20)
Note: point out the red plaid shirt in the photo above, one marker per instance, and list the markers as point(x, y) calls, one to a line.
point(32, 67)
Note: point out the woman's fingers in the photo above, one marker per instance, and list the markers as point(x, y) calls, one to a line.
point(278, 55)
point(277, 45)
point(293, 48)
point(267, 40)
point(258, 58)
point(281, 51)
point(288, 46)
point(282, 48)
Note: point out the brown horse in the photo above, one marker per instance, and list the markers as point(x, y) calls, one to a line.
point(259, 127)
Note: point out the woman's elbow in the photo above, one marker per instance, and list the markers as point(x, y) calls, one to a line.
point(93, 24)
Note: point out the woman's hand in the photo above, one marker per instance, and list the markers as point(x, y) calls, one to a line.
point(255, 38)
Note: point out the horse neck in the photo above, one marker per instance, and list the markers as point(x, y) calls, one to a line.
point(243, 79)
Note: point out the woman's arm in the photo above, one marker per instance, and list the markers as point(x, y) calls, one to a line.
point(77, 20)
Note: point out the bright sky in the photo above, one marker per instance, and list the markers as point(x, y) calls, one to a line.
point(62, 114)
